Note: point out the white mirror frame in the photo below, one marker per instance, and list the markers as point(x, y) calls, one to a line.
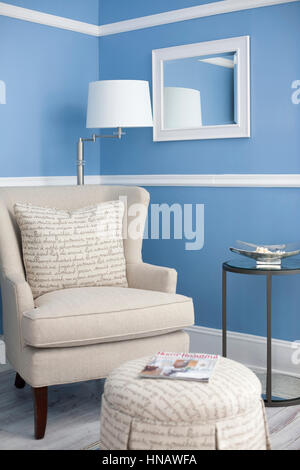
point(241, 46)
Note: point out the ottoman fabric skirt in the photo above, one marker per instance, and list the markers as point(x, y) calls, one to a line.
point(245, 432)
point(156, 414)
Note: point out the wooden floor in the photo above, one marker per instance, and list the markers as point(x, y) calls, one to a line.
point(284, 427)
point(73, 418)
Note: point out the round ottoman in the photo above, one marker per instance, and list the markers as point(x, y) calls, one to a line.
point(160, 414)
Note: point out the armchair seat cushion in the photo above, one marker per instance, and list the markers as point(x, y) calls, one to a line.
point(92, 315)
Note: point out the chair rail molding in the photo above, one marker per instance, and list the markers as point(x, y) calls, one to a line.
point(199, 180)
point(210, 181)
point(173, 16)
point(46, 180)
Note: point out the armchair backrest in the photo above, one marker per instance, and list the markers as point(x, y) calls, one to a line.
point(68, 198)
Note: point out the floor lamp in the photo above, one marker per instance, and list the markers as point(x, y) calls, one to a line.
point(114, 104)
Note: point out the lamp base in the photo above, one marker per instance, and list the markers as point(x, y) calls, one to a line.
point(80, 163)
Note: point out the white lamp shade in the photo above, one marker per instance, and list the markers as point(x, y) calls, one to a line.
point(119, 103)
point(182, 108)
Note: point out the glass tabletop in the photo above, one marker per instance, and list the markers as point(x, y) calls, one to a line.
point(287, 264)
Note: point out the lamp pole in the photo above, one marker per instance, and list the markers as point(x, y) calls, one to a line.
point(80, 152)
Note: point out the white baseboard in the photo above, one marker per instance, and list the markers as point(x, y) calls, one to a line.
point(248, 349)
point(3, 362)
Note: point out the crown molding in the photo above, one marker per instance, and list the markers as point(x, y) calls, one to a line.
point(209, 181)
point(173, 16)
point(46, 19)
point(184, 14)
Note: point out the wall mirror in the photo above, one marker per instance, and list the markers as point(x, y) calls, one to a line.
point(202, 91)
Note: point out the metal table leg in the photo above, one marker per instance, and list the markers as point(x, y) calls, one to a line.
point(224, 327)
point(236, 269)
point(269, 339)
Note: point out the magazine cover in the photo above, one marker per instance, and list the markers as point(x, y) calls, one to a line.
point(196, 366)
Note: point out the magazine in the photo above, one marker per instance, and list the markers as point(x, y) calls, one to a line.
point(165, 365)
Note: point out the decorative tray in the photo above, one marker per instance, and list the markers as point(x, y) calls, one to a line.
point(266, 254)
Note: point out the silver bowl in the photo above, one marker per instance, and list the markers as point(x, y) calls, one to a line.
point(273, 256)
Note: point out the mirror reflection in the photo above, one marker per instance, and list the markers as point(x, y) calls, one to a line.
point(200, 91)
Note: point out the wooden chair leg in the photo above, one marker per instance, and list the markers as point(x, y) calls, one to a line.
point(40, 411)
point(19, 382)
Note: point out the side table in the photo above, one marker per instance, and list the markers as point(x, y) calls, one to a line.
point(248, 266)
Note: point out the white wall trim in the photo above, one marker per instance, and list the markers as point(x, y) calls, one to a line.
point(173, 16)
point(4, 365)
point(210, 181)
point(2, 351)
point(47, 180)
point(222, 181)
point(46, 19)
point(247, 349)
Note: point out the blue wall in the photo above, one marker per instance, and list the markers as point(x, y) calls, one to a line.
point(274, 119)
point(46, 71)
point(262, 215)
point(233, 213)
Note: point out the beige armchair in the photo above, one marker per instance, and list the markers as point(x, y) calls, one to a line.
point(80, 334)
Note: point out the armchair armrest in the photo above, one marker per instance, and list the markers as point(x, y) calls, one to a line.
point(16, 288)
point(17, 298)
point(150, 277)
